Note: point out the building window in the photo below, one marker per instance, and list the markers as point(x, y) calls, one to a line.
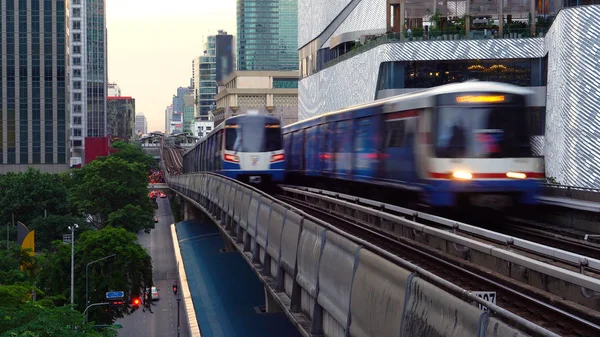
point(76, 143)
point(77, 108)
point(76, 12)
point(77, 97)
point(76, 2)
point(77, 132)
point(285, 83)
point(76, 61)
point(77, 85)
point(77, 120)
point(76, 49)
point(76, 24)
point(76, 37)
point(77, 73)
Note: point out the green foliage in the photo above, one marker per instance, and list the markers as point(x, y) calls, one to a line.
point(51, 228)
point(106, 186)
point(130, 271)
point(10, 272)
point(35, 320)
point(133, 218)
point(29, 194)
point(133, 153)
point(552, 180)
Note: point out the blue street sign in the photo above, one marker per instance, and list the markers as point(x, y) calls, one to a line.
point(115, 294)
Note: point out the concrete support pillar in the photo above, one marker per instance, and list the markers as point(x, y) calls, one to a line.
point(402, 15)
point(271, 304)
point(388, 15)
point(397, 28)
point(532, 12)
point(468, 18)
point(501, 18)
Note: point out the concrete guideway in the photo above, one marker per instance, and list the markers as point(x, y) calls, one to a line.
point(313, 271)
point(184, 286)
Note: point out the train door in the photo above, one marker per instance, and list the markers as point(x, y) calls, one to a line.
point(329, 155)
point(297, 155)
point(343, 148)
point(399, 146)
point(218, 150)
point(311, 150)
point(287, 141)
point(366, 147)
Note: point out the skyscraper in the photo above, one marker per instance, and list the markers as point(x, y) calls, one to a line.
point(141, 125)
point(88, 72)
point(216, 63)
point(121, 117)
point(267, 34)
point(33, 87)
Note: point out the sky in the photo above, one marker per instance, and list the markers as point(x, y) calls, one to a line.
point(151, 44)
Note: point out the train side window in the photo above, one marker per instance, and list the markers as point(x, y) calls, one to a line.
point(363, 129)
point(395, 133)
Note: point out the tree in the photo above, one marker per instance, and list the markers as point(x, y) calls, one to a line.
point(33, 319)
point(130, 271)
point(106, 186)
point(133, 153)
point(29, 194)
point(133, 218)
point(51, 228)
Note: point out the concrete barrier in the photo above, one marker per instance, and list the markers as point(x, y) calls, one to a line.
point(311, 243)
point(336, 272)
point(496, 328)
point(378, 297)
point(276, 219)
point(289, 248)
point(431, 311)
point(262, 227)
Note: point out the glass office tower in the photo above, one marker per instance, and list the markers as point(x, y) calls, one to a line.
point(33, 85)
point(267, 34)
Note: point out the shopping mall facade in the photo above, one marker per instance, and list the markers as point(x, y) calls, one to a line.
point(356, 51)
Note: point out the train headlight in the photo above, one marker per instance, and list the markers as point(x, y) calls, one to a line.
point(231, 158)
point(277, 157)
point(516, 175)
point(463, 175)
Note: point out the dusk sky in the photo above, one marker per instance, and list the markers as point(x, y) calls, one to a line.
point(151, 44)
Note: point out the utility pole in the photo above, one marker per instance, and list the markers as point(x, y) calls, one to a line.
point(72, 229)
point(178, 301)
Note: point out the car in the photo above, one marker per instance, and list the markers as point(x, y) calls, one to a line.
point(153, 293)
point(163, 195)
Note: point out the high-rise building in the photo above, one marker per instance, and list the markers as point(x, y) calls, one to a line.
point(141, 125)
point(168, 118)
point(216, 63)
point(113, 90)
point(88, 73)
point(33, 85)
point(183, 110)
point(121, 117)
point(267, 34)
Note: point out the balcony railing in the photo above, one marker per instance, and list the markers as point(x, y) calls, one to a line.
point(512, 33)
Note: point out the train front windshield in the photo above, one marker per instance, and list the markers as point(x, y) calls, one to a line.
point(253, 135)
point(482, 126)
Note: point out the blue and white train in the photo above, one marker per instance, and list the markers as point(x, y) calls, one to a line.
point(245, 147)
point(467, 141)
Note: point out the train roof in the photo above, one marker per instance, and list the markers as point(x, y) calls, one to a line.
point(236, 118)
point(468, 86)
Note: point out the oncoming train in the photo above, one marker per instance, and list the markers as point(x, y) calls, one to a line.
point(465, 142)
point(245, 147)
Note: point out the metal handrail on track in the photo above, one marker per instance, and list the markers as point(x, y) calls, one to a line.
point(436, 280)
point(545, 251)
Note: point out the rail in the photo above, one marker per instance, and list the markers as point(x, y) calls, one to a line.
point(443, 235)
point(512, 241)
point(263, 226)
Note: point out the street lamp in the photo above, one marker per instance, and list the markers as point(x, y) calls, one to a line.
point(87, 302)
point(72, 229)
